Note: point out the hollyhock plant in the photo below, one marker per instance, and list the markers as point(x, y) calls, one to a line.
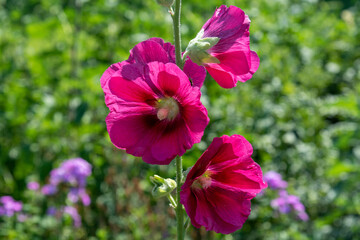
point(223, 47)
point(155, 113)
point(219, 187)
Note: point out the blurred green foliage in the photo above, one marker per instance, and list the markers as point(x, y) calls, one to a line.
point(301, 112)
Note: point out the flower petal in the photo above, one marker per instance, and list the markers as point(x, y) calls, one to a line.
point(195, 72)
point(148, 51)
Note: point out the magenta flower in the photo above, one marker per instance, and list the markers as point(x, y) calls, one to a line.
point(154, 111)
point(223, 47)
point(155, 50)
point(219, 187)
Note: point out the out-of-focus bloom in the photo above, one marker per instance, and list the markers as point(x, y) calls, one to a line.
point(74, 215)
point(72, 171)
point(155, 113)
point(79, 193)
point(49, 189)
point(8, 206)
point(219, 187)
point(153, 50)
point(223, 47)
point(274, 180)
point(286, 203)
point(33, 186)
point(51, 211)
point(22, 217)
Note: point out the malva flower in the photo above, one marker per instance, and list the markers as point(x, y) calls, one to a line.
point(219, 187)
point(155, 50)
point(155, 113)
point(223, 47)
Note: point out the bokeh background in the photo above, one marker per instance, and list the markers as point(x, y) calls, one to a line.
point(300, 111)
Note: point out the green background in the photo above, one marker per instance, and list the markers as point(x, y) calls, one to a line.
point(300, 111)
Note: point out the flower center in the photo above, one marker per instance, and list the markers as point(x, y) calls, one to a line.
point(204, 181)
point(167, 108)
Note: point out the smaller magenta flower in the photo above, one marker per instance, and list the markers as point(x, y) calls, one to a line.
point(274, 180)
point(33, 186)
point(286, 204)
point(223, 47)
point(157, 115)
point(219, 187)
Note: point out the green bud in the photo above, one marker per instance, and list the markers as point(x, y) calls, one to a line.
point(197, 49)
point(165, 3)
point(162, 186)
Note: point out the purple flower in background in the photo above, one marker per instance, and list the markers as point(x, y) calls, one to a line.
point(22, 217)
point(33, 186)
point(74, 215)
point(73, 171)
point(274, 180)
point(49, 189)
point(51, 211)
point(8, 206)
point(286, 204)
point(79, 193)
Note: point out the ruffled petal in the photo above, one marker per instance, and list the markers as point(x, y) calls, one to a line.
point(195, 72)
point(231, 206)
point(207, 217)
point(224, 23)
point(148, 51)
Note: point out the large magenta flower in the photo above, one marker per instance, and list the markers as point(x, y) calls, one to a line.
point(156, 50)
point(219, 187)
point(155, 113)
point(223, 47)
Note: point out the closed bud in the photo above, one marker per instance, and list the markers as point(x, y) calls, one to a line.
point(162, 186)
point(165, 3)
point(197, 49)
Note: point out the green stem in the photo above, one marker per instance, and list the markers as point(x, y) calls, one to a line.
point(177, 34)
point(172, 200)
point(179, 207)
point(179, 174)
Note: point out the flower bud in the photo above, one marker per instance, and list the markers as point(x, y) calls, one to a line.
point(162, 186)
point(197, 49)
point(165, 3)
